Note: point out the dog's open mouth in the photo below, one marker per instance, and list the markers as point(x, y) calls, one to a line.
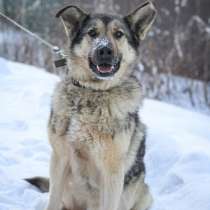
point(105, 69)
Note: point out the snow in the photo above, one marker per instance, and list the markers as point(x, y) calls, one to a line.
point(178, 145)
point(178, 157)
point(25, 98)
point(102, 42)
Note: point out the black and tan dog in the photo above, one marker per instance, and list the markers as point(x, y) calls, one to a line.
point(97, 138)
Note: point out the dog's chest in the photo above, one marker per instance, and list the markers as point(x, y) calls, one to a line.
point(91, 114)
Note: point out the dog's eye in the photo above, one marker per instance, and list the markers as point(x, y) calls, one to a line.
point(118, 34)
point(93, 33)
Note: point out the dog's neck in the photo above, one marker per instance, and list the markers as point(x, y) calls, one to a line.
point(130, 84)
point(93, 85)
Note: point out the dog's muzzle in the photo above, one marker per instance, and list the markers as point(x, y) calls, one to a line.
point(103, 62)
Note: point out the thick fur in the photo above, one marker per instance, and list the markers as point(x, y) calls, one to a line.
point(97, 138)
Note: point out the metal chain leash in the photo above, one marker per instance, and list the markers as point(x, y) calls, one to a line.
point(59, 53)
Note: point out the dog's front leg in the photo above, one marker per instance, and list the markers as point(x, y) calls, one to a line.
point(111, 190)
point(112, 177)
point(58, 172)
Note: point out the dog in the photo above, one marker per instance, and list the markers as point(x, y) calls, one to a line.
point(96, 135)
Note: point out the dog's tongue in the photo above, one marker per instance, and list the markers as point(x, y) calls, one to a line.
point(104, 69)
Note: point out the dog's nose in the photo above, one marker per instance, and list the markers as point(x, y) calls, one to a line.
point(104, 55)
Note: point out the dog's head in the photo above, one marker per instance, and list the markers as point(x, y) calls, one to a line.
point(104, 47)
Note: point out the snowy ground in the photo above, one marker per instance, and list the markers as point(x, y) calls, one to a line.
point(178, 145)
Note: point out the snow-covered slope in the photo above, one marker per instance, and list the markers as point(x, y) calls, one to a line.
point(178, 157)
point(178, 145)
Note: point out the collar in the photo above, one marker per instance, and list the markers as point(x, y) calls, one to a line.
point(77, 84)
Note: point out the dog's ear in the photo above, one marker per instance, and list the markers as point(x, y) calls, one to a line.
point(72, 17)
point(141, 19)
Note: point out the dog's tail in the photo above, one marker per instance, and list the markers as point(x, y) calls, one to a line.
point(41, 183)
